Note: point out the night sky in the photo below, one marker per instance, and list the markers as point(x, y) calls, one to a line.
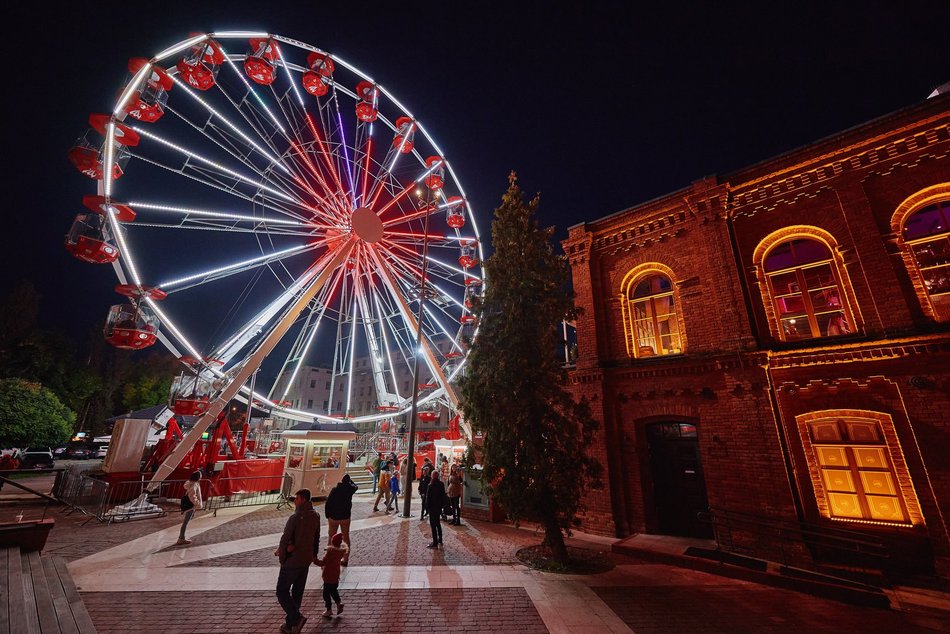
point(597, 107)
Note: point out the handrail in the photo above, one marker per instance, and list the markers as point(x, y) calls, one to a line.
point(838, 539)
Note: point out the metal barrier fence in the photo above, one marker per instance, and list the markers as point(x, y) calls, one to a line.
point(124, 501)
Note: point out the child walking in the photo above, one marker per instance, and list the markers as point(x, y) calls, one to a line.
point(393, 491)
point(330, 563)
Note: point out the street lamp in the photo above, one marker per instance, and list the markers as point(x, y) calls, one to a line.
point(413, 412)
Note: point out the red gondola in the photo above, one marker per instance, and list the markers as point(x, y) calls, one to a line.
point(388, 409)
point(261, 64)
point(455, 216)
point(436, 178)
point(90, 240)
point(366, 108)
point(428, 413)
point(471, 294)
point(190, 394)
point(468, 256)
point(427, 386)
point(405, 132)
point(98, 204)
point(316, 81)
point(133, 326)
point(88, 152)
point(148, 103)
point(200, 66)
point(467, 319)
point(472, 281)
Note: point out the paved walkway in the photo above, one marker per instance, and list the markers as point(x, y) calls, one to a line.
point(224, 582)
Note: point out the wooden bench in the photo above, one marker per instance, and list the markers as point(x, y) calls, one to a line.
point(37, 596)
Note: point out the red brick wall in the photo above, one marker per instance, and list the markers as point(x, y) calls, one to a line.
point(848, 186)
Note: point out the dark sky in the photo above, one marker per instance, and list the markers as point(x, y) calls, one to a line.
point(598, 106)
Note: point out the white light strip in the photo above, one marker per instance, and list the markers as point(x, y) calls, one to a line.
point(177, 48)
point(108, 159)
point(222, 269)
point(290, 77)
point(452, 268)
point(442, 328)
point(349, 386)
point(133, 85)
point(167, 323)
point(123, 248)
point(217, 214)
point(272, 158)
point(217, 166)
point(460, 304)
point(313, 333)
point(383, 321)
point(240, 34)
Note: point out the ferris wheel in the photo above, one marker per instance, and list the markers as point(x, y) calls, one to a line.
point(265, 202)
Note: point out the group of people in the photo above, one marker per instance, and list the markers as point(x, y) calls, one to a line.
point(299, 546)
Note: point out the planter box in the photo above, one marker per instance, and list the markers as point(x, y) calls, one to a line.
point(29, 535)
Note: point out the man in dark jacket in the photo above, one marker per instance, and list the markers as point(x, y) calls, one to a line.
point(435, 500)
point(424, 480)
point(339, 508)
point(299, 545)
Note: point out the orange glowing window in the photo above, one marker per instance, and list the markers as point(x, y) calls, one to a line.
point(927, 235)
point(806, 291)
point(653, 321)
point(859, 481)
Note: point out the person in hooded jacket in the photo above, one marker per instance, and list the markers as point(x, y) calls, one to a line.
point(299, 546)
point(338, 509)
point(435, 501)
point(331, 562)
point(193, 496)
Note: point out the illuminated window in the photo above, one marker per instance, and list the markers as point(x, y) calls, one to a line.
point(855, 469)
point(652, 322)
point(926, 233)
point(806, 291)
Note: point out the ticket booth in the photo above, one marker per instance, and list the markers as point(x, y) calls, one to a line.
point(454, 450)
point(316, 459)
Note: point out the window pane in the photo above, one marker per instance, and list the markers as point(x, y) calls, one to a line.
point(878, 482)
point(826, 299)
point(825, 432)
point(832, 456)
point(927, 222)
point(864, 432)
point(885, 508)
point(785, 283)
point(817, 277)
point(791, 305)
point(838, 480)
point(932, 253)
point(780, 257)
point(937, 280)
point(795, 329)
point(870, 458)
point(832, 324)
point(844, 505)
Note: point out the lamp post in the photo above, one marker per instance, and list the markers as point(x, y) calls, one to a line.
point(411, 467)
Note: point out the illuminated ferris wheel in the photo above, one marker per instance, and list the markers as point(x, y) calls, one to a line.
point(264, 201)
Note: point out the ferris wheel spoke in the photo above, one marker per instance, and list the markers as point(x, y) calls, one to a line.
point(221, 272)
point(323, 303)
point(220, 168)
point(257, 221)
point(222, 229)
point(383, 323)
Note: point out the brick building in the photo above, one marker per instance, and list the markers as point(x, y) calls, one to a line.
point(774, 345)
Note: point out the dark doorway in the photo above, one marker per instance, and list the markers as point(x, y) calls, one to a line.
point(679, 490)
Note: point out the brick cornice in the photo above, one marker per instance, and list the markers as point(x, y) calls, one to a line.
point(865, 351)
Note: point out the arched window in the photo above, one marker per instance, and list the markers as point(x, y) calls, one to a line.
point(652, 322)
point(926, 234)
point(805, 290)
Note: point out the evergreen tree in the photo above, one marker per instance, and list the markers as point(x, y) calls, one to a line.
point(534, 455)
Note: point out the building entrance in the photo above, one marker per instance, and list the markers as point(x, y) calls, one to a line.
point(679, 490)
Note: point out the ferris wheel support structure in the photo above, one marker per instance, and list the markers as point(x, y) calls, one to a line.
point(250, 367)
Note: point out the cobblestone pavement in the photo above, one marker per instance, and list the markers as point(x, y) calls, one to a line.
point(401, 544)
point(431, 610)
point(263, 521)
point(730, 608)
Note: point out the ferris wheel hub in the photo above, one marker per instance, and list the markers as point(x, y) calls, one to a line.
point(367, 225)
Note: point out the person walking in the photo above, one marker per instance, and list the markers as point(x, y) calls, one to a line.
point(190, 503)
point(383, 485)
point(454, 491)
point(435, 500)
point(377, 466)
point(424, 479)
point(338, 509)
point(404, 476)
point(334, 557)
point(299, 546)
point(393, 490)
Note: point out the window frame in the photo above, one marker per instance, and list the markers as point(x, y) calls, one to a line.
point(913, 204)
point(632, 337)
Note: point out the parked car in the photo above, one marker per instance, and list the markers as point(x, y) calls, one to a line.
point(58, 452)
point(102, 451)
point(36, 458)
point(9, 451)
point(77, 452)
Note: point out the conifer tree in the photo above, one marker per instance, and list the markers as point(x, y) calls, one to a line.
point(534, 456)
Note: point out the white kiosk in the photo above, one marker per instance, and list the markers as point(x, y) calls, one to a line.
point(316, 459)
